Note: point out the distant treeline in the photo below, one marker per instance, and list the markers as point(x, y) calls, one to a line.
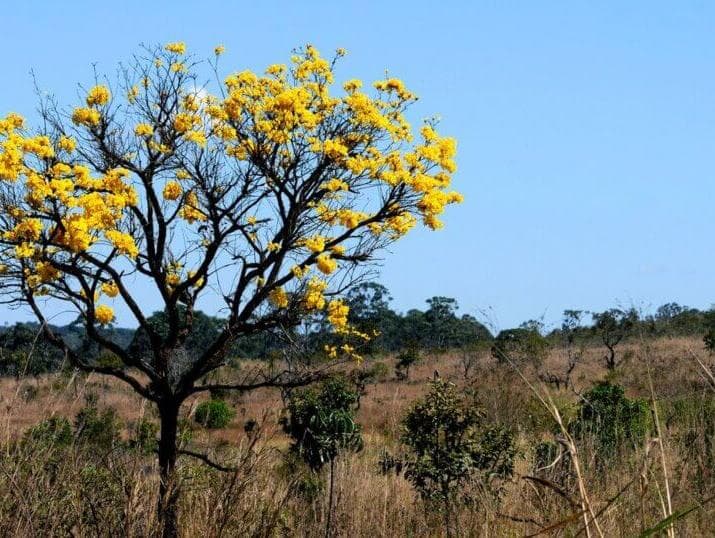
point(24, 350)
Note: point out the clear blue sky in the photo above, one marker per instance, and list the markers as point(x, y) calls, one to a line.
point(586, 129)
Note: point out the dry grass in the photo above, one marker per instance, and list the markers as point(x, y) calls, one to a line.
point(85, 492)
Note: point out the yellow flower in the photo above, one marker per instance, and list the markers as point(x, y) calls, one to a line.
point(219, 50)
point(132, 94)
point(67, 143)
point(326, 264)
point(197, 137)
point(278, 297)
point(173, 279)
point(143, 129)
point(190, 211)
point(184, 122)
point(24, 250)
point(98, 96)
point(86, 116)
point(28, 230)
point(178, 47)
point(314, 299)
point(104, 314)
point(172, 191)
point(110, 289)
point(299, 272)
point(338, 313)
point(123, 242)
point(335, 184)
point(315, 244)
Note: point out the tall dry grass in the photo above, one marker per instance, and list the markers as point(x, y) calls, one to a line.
point(86, 490)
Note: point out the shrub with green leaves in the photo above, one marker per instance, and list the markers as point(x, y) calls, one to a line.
point(144, 435)
point(524, 345)
point(612, 420)
point(54, 431)
point(450, 443)
point(214, 414)
point(321, 421)
point(97, 427)
point(405, 360)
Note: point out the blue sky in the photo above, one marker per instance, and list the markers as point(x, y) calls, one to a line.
point(586, 129)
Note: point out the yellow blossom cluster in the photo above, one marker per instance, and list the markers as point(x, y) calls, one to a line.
point(314, 299)
point(278, 297)
point(104, 314)
point(338, 313)
point(110, 289)
point(190, 211)
point(66, 208)
point(143, 130)
point(177, 47)
point(172, 191)
point(326, 264)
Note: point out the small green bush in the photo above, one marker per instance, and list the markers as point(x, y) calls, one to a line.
point(97, 427)
point(450, 441)
point(321, 422)
point(144, 435)
point(214, 414)
point(56, 431)
point(612, 420)
point(379, 370)
point(405, 360)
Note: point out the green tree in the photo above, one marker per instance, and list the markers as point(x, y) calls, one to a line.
point(322, 424)
point(612, 327)
point(521, 346)
point(449, 443)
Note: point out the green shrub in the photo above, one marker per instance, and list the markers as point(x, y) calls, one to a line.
point(379, 370)
point(450, 442)
point(97, 427)
point(611, 420)
point(56, 431)
point(214, 414)
point(405, 360)
point(321, 422)
point(521, 346)
point(144, 435)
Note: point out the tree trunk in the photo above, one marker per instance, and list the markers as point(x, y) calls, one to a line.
point(168, 486)
point(611, 358)
point(328, 526)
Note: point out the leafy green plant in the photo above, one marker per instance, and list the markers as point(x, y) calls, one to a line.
point(55, 431)
point(322, 421)
point(611, 419)
point(405, 360)
point(97, 427)
point(214, 414)
point(521, 346)
point(450, 443)
point(322, 424)
point(144, 435)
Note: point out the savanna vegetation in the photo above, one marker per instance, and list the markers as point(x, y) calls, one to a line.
point(306, 406)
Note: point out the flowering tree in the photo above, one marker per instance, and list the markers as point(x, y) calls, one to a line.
point(268, 197)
